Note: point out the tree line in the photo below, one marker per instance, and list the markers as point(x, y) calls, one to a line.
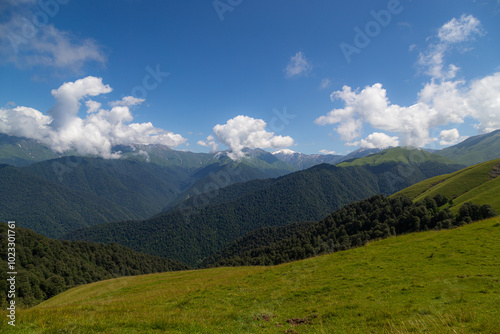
point(352, 226)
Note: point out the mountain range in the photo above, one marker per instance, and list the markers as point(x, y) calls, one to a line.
point(475, 149)
point(72, 196)
point(443, 201)
point(207, 222)
point(17, 151)
point(208, 210)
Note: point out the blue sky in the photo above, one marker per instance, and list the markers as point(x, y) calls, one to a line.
point(272, 74)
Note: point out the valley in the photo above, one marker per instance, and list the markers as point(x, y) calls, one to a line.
point(208, 211)
point(249, 167)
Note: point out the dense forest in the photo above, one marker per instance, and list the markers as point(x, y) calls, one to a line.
point(191, 232)
point(352, 226)
point(51, 208)
point(76, 192)
point(46, 267)
point(209, 222)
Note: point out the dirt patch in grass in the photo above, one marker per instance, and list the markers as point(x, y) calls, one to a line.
point(299, 321)
point(263, 317)
point(495, 171)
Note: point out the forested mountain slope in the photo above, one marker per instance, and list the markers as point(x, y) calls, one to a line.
point(352, 226)
point(205, 224)
point(143, 188)
point(49, 207)
point(18, 151)
point(189, 233)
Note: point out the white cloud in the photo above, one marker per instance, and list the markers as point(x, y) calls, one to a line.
point(95, 134)
point(370, 105)
point(284, 151)
point(448, 102)
point(327, 152)
point(484, 101)
point(451, 137)
point(24, 122)
point(297, 66)
point(460, 30)
point(210, 142)
point(440, 102)
point(92, 106)
point(350, 128)
point(143, 154)
point(68, 98)
point(127, 101)
point(451, 34)
point(377, 140)
point(245, 132)
point(28, 39)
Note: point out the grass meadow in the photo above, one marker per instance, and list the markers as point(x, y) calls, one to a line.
point(429, 282)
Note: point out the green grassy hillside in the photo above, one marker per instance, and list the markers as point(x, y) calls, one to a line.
point(47, 267)
point(405, 155)
point(401, 167)
point(479, 184)
point(430, 282)
point(475, 149)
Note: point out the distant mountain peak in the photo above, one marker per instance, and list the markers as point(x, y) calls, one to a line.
point(476, 149)
point(284, 151)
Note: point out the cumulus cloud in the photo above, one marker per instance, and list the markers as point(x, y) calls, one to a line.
point(28, 39)
point(128, 101)
point(245, 132)
point(24, 122)
point(451, 137)
point(327, 152)
point(377, 140)
point(440, 102)
point(62, 129)
point(370, 105)
point(484, 100)
point(437, 105)
point(92, 106)
point(297, 66)
point(68, 98)
point(210, 142)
